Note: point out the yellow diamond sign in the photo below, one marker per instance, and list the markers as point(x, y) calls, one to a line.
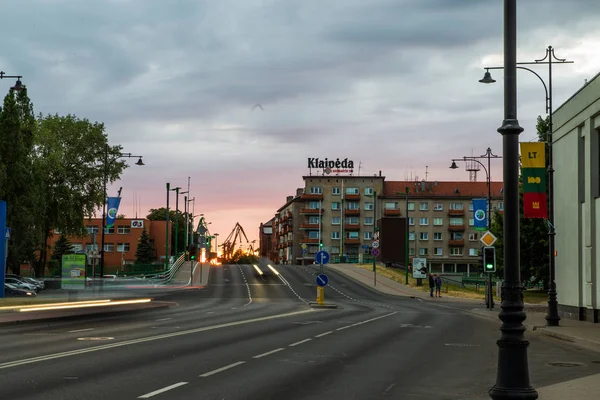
point(488, 239)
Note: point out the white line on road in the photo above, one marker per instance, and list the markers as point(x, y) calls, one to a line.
point(268, 353)
point(374, 319)
point(300, 342)
point(25, 361)
point(323, 334)
point(159, 391)
point(163, 319)
point(247, 287)
point(210, 312)
point(225, 368)
point(82, 330)
point(344, 327)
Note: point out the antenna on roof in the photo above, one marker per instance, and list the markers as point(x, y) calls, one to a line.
point(426, 172)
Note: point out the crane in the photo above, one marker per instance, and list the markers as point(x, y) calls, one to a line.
point(229, 243)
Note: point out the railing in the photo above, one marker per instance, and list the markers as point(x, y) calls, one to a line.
point(168, 275)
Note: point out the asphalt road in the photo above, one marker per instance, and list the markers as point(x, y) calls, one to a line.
point(247, 336)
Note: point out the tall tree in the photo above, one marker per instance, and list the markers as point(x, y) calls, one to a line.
point(160, 214)
point(75, 156)
point(19, 183)
point(535, 260)
point(145, 253)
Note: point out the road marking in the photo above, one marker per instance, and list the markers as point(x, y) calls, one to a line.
point(285, 281)
point(268, 353)
point(225, 368)
point(159, 391)
point(300, 342)
point(323, 334)
point(344, 327)
point(247, 287)
point(25, 361)
point(375, 319)
point(163, 319)
point(82, 330)
point(210, 312)
point(386, 391)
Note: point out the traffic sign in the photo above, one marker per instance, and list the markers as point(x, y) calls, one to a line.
point(375, 244)
point(322, 280)
point(488, 239)
point(7, 236)
point(375, 252)
point(376, 236)
point(304, 246)
point(322, 257)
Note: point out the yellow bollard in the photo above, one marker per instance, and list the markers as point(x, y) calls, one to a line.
point(320, 295)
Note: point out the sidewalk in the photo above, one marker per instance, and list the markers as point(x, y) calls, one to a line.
point(201, 274)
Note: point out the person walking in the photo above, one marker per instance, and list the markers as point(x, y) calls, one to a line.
point(438, 285)
point(431, 285)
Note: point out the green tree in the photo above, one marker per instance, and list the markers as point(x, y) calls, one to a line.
point(61, 246)
point(160, 214)
point(19, 182)
point(72, 155)
point(535, 260)
point(145, 253)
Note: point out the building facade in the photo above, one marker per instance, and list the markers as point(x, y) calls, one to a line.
point(286, 226)
point(576, 160)
point(265, 239)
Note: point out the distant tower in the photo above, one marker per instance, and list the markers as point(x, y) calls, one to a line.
point(472, 167)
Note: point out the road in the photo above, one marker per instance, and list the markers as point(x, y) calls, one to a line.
point(250, 337)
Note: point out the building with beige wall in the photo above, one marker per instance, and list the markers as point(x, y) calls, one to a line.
point(576, 160)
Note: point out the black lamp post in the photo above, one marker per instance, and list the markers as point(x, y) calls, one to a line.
point(512, 379)
point(552, 317)
point(18, 85)
point(488, 178)
point(107, 163)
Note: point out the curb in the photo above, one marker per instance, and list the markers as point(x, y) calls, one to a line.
point(313, 304)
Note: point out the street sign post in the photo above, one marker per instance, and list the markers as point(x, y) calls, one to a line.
point(322, 280)
point(375, 252)
point(375, 244)
point(322, 257)
point(488, 239)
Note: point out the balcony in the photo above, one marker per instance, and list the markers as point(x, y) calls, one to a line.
point(352, 197)
point(456, 228)
point(309, 226)
point(456, 213)
point(391, 212)
point(352, 213)
point(351, 241)
point(311, 211)
point(309, 240)
point(311, 196)
point(352, 227)
point(456, 242)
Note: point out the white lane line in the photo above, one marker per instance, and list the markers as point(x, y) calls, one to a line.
point(268, 353)
point(210, 312)
point(225, 368)
point(163, 319)
point(374, 319)
point(193, 274)
point(82, 330)
point(344, 327)
point(247, 287)
point(159, 391)
point(323, 334)
point(300, 342)
point(25, 361)
point(291, 288)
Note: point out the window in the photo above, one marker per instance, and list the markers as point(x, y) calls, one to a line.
point(500, 206)
point(423, 221)
point(411, 206)
point(411, 251)
point(353, 205)
point(316, 190)
point(438, 207)
point(437, 235)
point(336, 221)
point(457, 221)
point(456, 236)
point(123, 247)
point(438, 251)
point(368, 235)
point(369, 191)
point(352, 190)
point(336, 205)
point(313, 219)
point(109, 247)
point(351, 235)
point(423, 251)
point(391, 205)
point(423, 235)
point(335, 191)
point(411, 221)
point(423, 206)
point(411, 236)
point(438, 221)
point(313, 234)
point(334, 249)
point(369, 206)
point(335, 235)
point(123, 229)
point(456, 206)
point(456, 251)
point(470, 206)
point(352, 220)
point(110, 230)
point(471, 221)
point(473, 252)
point(314, 205)
point(76, 247)
point(368, 220)
point(91, 247)
point(473, 237)
point(91, 229)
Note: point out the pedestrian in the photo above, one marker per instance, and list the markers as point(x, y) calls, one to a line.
point(431, 285)
point(438, 285)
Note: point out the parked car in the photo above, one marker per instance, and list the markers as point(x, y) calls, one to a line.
point(19, 284)
point(13, 291)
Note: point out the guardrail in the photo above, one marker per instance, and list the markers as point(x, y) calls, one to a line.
point(168, 275)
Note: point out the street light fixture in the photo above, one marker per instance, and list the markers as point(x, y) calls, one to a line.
point(512, 379)
point(18, 85)
point(552, 317)
point(489, 155)
point(176, 190)
point(107, 163)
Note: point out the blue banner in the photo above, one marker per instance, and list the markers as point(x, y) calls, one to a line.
point(113, 208)
point(3, 232)
point(480, 214)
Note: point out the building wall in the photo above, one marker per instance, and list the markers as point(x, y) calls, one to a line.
point(265, 239)
point(576, 146)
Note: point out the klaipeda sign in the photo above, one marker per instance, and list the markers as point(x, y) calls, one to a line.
point(331, 166)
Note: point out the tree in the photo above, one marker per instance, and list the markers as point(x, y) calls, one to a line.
point(535, 260)
point(160, 214)
point(19, 180)
point(72, 155)
point(145, 253)
point(61, 246)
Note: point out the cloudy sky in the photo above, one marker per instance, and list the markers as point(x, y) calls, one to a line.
point(391, 84)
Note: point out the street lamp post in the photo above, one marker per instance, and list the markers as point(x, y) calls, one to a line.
point(407, 227)
point(512, 379)
point(176, 234)
point(552, 317)
point(488, 178)
point(217, 246)
point(167, 228)
point(107, 163)
point(18, 85)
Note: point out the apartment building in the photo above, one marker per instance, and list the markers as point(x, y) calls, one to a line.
point(286, 224)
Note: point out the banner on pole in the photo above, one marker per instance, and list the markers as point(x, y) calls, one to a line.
point(480, 211)
point(113, 208)
point(533, 175)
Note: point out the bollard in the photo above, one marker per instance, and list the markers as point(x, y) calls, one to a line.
point(320, 295)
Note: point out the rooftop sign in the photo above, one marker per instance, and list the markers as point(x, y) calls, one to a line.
point(336, 166)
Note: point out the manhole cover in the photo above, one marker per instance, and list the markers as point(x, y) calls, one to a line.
point(96, 338)
point(565, 364)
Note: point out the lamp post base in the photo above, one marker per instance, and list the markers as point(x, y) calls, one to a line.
point(552, 318)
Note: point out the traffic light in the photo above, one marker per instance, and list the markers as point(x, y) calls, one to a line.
point(489, 259)
point(193, 257)
point(320, 244)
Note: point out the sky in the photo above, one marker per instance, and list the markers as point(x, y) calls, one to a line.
point(237, 94)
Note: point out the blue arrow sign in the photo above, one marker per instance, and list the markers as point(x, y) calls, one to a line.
point(322, 280)
point(322, 257)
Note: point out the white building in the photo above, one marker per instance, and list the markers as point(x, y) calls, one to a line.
point(576, 142)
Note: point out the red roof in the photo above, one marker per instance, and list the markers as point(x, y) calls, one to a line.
point(441, 189)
